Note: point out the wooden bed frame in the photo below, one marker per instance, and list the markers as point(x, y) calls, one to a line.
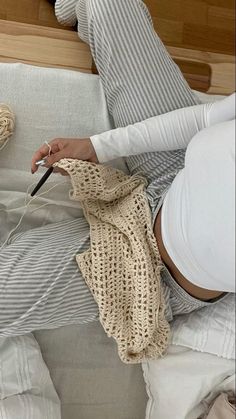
point(49, 47)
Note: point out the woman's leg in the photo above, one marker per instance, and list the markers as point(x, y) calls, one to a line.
point(41, 286)
point(139, 77)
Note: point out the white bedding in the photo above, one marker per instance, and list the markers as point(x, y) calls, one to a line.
point(183, 383)
point(26, 389)
point(211, 329)
point(50, 103)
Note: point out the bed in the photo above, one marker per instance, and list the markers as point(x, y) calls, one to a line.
point(87, 379)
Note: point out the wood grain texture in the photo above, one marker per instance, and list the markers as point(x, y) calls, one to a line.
point(222, 68)
point(198, 33)
point(207, 25)
point(38, 45)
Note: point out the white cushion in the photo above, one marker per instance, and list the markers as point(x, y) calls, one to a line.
point(182, 384)
point(48, 103)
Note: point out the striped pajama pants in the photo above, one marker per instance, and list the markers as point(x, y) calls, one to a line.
point(41, 286)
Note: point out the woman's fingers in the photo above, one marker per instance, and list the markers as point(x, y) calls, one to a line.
point(64, 148)
point(38, 155)
point(53, 158)
point(43, 152)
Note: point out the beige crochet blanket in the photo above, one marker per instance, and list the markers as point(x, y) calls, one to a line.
point(122, 266)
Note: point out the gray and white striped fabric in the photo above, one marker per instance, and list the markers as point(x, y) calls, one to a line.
point(41, 286)
point(65, 12)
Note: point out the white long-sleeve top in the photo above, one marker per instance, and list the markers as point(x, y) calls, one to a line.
point(198, 210)
point(170, 131)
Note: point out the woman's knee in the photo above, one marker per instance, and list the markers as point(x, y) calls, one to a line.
point(96, 17)
point(65, 12)
point(114, 10)
point(95, 13)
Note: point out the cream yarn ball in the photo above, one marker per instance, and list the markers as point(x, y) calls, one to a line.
point(7, 124)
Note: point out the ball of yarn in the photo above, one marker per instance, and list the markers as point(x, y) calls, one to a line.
point(7, 124)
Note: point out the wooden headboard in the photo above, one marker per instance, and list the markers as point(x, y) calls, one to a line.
point(206, 71)
point(52, 47)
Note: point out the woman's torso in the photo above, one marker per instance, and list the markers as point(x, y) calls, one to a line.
point(193, 290)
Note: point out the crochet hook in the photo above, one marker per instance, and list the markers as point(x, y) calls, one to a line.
point(42, 181)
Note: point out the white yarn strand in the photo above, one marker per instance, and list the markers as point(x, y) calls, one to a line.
point(7, 125)
point(49, 148)
point(26, 206)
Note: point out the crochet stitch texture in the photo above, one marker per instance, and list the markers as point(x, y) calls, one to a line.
point(7, 124)
point(122, 266)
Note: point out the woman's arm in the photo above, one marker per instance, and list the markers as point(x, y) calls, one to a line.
point(169, 131)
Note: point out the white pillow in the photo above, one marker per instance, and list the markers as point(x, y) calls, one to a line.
point(182, 384)
point(26, 389)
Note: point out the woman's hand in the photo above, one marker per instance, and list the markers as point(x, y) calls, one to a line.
point(81, 149)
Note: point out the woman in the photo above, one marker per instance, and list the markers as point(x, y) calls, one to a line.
point(190, 194)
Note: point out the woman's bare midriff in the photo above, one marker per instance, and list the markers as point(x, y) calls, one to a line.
point(193, 290)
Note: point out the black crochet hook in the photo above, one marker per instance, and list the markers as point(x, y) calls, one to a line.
point(42, 181)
